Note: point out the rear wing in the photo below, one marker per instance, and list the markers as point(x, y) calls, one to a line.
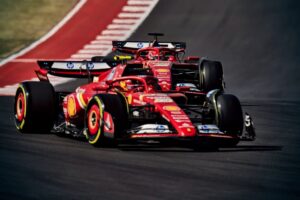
point(133, 46)
point(74, 69)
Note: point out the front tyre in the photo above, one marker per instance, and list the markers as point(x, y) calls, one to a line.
point(34, 107)
point(106, 118)
point(230, 116)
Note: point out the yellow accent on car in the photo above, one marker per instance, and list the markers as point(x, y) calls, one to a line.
point(22, 124)
point(123, 57)
point(129, 97)
point(171, 108)
point(97, 99)
point(162, 70)
point(71, 106)
point(81, 99)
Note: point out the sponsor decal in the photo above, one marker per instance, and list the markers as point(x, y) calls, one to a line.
point(157, 99)
point(140, 45)
point(80, 90)
point(151, 128)
point(186, 85)
point(161, 128)
point(160, 63)
point(155, 95)
point(176, 112)
point(90, 65)
point(70, 65)
point(161, 76)
point(163, 100)
point(71, 106)
point(171, 108)
point(162, 70)
point(181, 121)
point(208, 128)
point(179, 117)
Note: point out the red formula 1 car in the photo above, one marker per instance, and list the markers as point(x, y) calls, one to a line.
point(151, 95)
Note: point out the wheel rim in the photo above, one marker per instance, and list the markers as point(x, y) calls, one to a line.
point(20, 107)
point(94, 120)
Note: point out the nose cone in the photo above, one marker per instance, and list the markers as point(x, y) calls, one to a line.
point(178, 119)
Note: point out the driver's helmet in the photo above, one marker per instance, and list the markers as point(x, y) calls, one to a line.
point(131, 85)
point(172, 58)
point(152, 55)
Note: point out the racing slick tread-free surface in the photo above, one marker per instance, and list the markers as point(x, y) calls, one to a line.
point(211, 75)
point(40, 106)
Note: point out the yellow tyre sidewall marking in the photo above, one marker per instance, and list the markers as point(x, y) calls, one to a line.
point(100, 118)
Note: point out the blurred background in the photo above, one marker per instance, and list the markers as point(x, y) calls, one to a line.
point(24, 21)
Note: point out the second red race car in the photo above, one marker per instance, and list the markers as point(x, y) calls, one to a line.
point(152, 94)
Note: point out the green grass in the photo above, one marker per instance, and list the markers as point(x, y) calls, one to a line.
point(24, 21)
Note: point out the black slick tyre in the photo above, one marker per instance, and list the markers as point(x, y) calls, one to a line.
point(230, 116)
point(34, 107)
point(211, 75)
point(105, 120)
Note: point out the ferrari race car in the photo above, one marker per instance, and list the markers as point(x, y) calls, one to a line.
point(152, 94)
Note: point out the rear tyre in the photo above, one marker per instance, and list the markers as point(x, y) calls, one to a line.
point(230, 116)
point(211, 75)
point(34, 107)
point(106, 118)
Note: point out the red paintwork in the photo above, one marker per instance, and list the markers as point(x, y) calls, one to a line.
point(112, 80)
point(93, 120)
point(139, 90)
point(20, 106)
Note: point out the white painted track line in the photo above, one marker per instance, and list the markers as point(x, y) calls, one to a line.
point(48, 35)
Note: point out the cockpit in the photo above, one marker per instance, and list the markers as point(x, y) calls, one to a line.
point(163, 54)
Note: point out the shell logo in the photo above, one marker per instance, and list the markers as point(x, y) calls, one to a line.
point(71, 106)
point(171, 108)
point(163, 70)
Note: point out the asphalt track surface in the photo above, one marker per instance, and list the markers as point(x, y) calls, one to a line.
point(257, 41)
